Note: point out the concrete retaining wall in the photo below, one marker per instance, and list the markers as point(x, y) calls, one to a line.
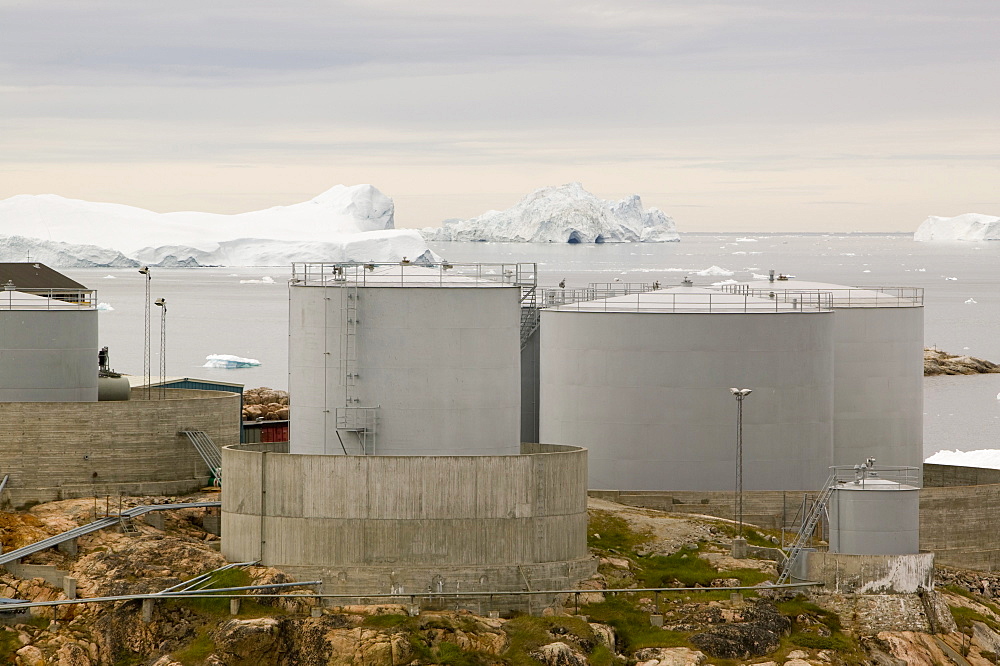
point(376, 524)
point(60, 450)
point(870, 574)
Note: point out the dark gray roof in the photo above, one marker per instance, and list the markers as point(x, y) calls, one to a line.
point(32, 275)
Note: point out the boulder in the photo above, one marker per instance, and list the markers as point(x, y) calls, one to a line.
point(759, 635)
point(559, 654)
point(669, 657)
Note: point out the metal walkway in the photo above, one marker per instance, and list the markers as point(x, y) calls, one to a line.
point(208, 451)
point(99, 524)
point(805, 533)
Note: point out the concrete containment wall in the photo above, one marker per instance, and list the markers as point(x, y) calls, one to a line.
point(81, 449)
point(648, 395)
point(870, 574)
point(441, 363)
point(48, 355)
point(376, 524)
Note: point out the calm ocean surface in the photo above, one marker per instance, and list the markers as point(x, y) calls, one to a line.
point(210, 311)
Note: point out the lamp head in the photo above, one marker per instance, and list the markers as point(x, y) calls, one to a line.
point(162, 302)
point(144, 270)
point(741, 392)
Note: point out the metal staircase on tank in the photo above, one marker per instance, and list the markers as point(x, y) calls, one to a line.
point(527, 280)
point(808, 525)
point(208, 451)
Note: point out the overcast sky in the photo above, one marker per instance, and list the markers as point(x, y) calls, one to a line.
point(749, 115)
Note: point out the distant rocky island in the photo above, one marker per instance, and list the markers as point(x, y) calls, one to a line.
point(937, 362)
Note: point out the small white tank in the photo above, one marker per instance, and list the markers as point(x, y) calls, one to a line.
point(875, 511)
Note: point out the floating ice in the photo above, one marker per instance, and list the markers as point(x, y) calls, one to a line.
point(746, 240)
point(967, 227)
point(109, 277)
point(228, 361)
point(267, 279)
point(563, 214)
point(950, 278)
point(714, 271)
point(971, 301)
point(105, 307)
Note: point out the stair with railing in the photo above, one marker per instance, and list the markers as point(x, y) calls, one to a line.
point(808, 525)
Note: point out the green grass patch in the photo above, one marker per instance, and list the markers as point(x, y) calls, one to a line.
point(798, 605)
point(388, 621)
point(965, 617)
point(689, 569)
point(837, 642)
point(9, 645)
point(631, 625)
point(526, 633)
point(608, 533)
point(197, 650)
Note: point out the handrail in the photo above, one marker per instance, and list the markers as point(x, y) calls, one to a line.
point(17, 298)
point(614, 300)
point(850, 297)
point(406, 273)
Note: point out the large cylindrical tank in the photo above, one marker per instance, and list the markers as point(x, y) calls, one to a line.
point(875, 516)
point(48, 349)
point(643, 382)
point(404, 360)
point(878, 369)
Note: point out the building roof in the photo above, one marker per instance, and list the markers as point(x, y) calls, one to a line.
point(32, 275)
point(139, 381)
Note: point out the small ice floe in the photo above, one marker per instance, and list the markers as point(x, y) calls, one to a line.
point(267, 279)
point(971, 301)
point(109, 277)
point(950, 278)
point(746, 240)
point(713, 271)
point(867, 270)
point(724, 282)
point(105, 307)
point(228, 361)
point(921, 270)
point(739, 252)
point(758, 276)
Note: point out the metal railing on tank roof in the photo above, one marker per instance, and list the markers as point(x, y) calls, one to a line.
point(14, 298)
point(889, 477)
point(413, 274)
point(613, 300)
point(846, 297)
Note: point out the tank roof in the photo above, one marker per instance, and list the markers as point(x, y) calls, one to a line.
point(691, 299)
point(842, 296)
point(405, 274)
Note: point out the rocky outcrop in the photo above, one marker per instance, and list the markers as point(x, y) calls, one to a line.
point(758, 635)
point(669, 657)
point(937, 362)
point(559, 654)
point(266, 404)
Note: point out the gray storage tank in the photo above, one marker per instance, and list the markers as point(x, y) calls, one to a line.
point(878, 367)
point(875, 510)
point(48, 344)
point(642, 381)
point(401, 359)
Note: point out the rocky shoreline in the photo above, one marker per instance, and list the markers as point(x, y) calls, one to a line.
point(937, 362)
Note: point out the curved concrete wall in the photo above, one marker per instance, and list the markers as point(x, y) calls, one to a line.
point(82, 449)
point(48, 355)
point(442, 364)
point(372, 524)
point(878, 402)
point(648, 395)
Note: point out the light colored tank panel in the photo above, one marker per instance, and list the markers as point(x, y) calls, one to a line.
point(880, 518)
point(48, 356)
point(659, 416)
point(441, 363)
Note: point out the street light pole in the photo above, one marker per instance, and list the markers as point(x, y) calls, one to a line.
point(162, 302)
point(740, 393)
point(145, 346)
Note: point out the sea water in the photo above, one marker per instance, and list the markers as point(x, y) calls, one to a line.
point(244, 311)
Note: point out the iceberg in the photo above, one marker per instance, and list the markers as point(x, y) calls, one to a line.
point(62, 255)
point(967, 227)
point(563, 214)
point(228, 361)
point(989, 458)
point(343, 224)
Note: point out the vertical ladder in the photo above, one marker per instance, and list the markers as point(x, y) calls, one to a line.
point(349, 340)
point(808, 525)
point(528, 282)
